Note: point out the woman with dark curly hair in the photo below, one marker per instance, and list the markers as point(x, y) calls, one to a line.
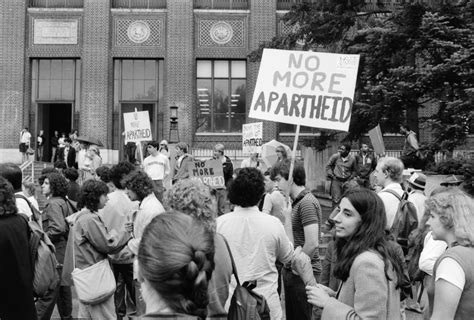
point(257, 240)
point(139, 186)
point(55, 187)
point(370, 271)
point(92, 242)
point(16, 293)
point(176, 259)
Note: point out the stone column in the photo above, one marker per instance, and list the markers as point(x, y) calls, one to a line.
point(180, 74)
point(96, 117)
point(262, 26)
point(13, 113)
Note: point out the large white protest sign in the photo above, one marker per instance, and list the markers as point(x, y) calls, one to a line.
point(252, 135)
point(137, 126)
point(313, 89)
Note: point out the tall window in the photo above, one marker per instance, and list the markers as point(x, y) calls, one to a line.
point(55, 79)
point(221, 95)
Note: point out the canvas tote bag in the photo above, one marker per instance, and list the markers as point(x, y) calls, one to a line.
point(94, 284)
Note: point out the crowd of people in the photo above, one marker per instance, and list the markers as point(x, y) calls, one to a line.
point(175, 250)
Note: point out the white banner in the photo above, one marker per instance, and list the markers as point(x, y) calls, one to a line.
point(313, 89)
point(252, 135)
point(137, 126)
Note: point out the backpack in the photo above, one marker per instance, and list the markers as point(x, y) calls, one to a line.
point(405, 222)
point(36, 216)
point(417, 239)
point(245, 303)
point(43, 258)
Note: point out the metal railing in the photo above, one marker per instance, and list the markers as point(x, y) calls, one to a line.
point(24, 170)
point(287, 4)
point(56, 4)
point(139, 4)
point(221, 4)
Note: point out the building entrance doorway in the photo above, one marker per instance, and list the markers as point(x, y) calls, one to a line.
point(53, 117)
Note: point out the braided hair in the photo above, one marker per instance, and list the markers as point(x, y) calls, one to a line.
point(176, 257)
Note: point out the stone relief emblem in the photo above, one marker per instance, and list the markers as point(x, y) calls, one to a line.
point(221, 32)
point(138, 31)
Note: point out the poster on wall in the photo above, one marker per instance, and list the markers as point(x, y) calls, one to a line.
point(252, 135)
point(314, 89)
point(137, 126)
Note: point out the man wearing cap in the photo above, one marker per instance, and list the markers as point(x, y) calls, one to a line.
point(228, 168)
point(416, 193)
point(451, 181)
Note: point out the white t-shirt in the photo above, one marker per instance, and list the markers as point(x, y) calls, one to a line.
point(418, 199)
point(23, 206)
point(25, 137)
point(157, 167)
point(451, 271)
point(390, 201)
point(432, 250)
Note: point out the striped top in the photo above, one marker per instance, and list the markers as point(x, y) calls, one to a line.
point(306, 211)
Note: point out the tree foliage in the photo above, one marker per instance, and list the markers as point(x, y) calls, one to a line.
point(411, 57)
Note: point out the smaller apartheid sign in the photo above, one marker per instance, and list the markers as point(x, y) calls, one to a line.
point(137, 126)
point(209, 172)
point(252, 134)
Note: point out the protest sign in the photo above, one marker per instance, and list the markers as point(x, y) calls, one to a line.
point(376, 139)
point(209, 172)
point(312, 89)
point(137, 126)
point(252, 135)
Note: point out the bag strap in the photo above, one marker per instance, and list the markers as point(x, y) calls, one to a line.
point(30, 205)
point(394, 193)
point(234, 269)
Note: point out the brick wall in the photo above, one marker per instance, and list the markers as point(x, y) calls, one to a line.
point(13, 116)
point(96, 114)
point(179, 75)
point(262, 27)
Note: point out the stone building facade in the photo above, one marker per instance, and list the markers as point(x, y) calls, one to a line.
point(80, 64)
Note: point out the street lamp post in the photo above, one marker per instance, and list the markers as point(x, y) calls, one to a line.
point(174, 132)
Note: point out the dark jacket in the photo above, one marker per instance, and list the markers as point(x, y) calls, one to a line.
point(365, 169)
point(54, 141)
point(228, 168)
point(71, 156)
point(16, 286)
point(55, 225)
point(182, 171)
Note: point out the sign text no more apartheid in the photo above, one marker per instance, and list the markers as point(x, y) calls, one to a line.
point(210, 172)
point(137, 126)
point(312, 89)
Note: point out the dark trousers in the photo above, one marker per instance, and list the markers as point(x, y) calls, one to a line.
point(222, 202)
point(124, 272)
point(130, 149)
point(296, 302)
point(60, 296)
point(338, 188)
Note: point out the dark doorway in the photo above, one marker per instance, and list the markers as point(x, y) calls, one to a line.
point(53, 117)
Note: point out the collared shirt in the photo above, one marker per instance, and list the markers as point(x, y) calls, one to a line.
point(257, 240)
point(342, 168)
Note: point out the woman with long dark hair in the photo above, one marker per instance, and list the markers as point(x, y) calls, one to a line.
point(370, 272)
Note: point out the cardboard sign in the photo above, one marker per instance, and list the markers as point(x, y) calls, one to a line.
point(209, 172)
point(376, 139)
point(137, 126)
point(313, 89)
point(252, 135)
